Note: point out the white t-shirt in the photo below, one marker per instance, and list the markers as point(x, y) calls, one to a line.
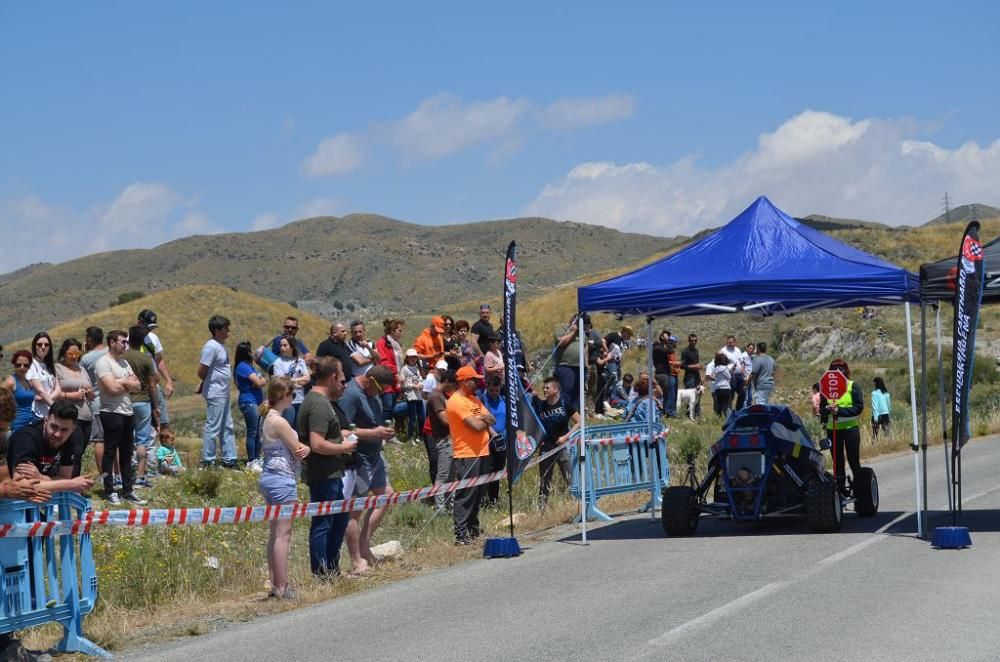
point(119, 369)
point(39, 371)
point(293, 367)
point(430, 383)
point(215, 358)
point(735, 356)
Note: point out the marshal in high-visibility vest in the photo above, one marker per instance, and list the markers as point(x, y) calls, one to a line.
point(845, 403)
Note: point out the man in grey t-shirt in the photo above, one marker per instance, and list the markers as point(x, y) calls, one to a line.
point(215, 372)
point(94, 344)
point(361, 405)
point(762, 375)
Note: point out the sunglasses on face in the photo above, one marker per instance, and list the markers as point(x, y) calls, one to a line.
point(41, 343)
point(291, 328)
point(73, 355)
point(22, 365)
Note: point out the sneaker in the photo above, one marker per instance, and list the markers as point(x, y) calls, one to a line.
point(463, 541)
point(113, 499)
point(394, 440)
point(143, 482)
point(204, 464)
point(231, 464)
point(256, 466)
point(118, 481)
point(133, 499)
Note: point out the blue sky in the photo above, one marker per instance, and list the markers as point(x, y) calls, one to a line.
point(129, 124)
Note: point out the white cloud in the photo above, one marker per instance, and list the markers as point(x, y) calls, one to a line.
point(567, 114)
point(445, 124)
point(338, 155)
point(813, 163)
point(142, 215)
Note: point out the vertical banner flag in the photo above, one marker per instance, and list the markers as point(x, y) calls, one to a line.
point(968, 294)
point(524, 432)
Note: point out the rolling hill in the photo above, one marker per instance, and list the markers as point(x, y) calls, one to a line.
point(358, 264)
point(965, 213)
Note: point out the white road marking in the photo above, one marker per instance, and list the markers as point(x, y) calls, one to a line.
point(748, 599)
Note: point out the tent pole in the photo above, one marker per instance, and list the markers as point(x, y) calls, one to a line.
point(582, 453)
point(651, 457)
point(944, 423)
point(923, 406)
point(913, 421)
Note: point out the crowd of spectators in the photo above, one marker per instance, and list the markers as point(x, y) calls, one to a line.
point(324, 417)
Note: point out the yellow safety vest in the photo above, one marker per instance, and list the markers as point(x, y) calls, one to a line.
point(844, 422)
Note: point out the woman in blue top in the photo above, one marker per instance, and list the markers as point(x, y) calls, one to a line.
point(250, 384)
point(881, 403)
point(24, 395)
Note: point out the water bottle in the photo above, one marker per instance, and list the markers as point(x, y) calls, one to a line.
point(351, 436)
point(393, 440)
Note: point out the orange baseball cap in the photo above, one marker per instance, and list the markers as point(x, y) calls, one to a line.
point(467, 372)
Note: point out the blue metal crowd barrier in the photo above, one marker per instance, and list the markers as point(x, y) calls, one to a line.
point(50, 578)
point(620, 459)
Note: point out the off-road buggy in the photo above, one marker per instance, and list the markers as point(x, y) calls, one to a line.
point(766, 465)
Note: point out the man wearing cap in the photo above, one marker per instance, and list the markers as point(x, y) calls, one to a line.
point(362, 406)
point(469, 424)
point(152, 345)
point(483, 329)
point(430, 343)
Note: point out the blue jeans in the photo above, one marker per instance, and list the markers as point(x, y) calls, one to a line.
point(252, 420)
point(762, 395)
point(143, 412)
point(416, 418)
point(164, 412)
point(218, 425)
point(670, 397)
point(388, 404)
point(326, 533)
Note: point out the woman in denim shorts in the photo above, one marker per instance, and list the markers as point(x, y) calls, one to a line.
point(282, 455)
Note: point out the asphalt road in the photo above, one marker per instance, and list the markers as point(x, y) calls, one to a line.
point(734, 592)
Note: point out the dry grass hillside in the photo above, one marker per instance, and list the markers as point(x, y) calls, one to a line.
point(183, 314)
point(358, 262)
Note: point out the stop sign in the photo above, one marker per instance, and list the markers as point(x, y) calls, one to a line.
point(833, 384)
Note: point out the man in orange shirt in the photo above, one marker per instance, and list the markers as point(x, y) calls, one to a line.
point(469, 423)
point(430, 343)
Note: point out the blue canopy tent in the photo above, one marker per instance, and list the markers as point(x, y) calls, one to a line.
point(762, 262)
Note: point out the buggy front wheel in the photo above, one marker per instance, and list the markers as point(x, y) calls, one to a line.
point(679, 510)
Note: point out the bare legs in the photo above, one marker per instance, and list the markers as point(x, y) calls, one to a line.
point(359, 534)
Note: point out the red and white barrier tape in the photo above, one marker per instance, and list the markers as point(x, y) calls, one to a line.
point(143, 517)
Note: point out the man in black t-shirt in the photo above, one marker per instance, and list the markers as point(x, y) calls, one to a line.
point(47, 450)
point(483, 329)
point(556, 414)
point(336, 346)
point(691, 363)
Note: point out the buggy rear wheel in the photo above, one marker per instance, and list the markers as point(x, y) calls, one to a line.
point(866, 493)
point(679, 510)
point(824, 509)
